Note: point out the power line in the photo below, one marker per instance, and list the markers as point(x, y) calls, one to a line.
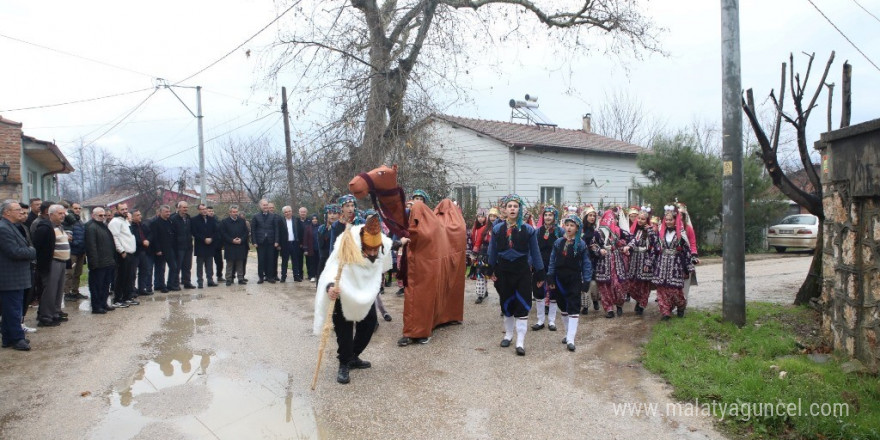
point(844, 35)
point(123, 119)
point(240, 45)
point(215, 137)
point(78, 56)
point(869, 12)
point(77, 101)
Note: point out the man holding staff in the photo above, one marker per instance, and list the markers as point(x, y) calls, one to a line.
point(353, 274)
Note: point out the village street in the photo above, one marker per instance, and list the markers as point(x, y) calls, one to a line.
point(233, 363)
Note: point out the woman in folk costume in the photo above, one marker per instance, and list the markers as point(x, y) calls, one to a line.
point(547, 235)
point(569, 268)
point(692, 240)
point(640, 249)
point(512, 249)
point(476, 229)
point(423, 196)
point(673, 264)
point(482, 237)
point(610, 267)
point(354, 315)
point(331, 215)
point(592, 238)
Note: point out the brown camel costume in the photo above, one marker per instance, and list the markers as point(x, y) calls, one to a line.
point(433, 261)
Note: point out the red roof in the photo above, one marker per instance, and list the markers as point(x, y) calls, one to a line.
point(523, 135)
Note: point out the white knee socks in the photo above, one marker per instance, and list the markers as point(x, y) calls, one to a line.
point(551, 317)
point(572, 329)
point(508, 327)
point(539, 310)
point(522, 325)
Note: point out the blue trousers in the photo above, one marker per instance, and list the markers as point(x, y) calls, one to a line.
point(10, 307)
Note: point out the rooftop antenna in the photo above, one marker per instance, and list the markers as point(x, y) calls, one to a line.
point(528, 110)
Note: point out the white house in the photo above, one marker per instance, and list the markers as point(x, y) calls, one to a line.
point(490, 159)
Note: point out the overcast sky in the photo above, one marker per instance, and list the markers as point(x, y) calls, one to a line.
point(173, 39)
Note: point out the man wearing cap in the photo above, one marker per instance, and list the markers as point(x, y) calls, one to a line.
point(354, 315)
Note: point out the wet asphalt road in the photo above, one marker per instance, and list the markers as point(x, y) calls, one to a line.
point(237, 362)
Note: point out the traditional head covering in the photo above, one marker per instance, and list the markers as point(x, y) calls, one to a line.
point(371, 233)
point(493, 211)
point(576, 220)
point(589, 208)
point(346, 199)
point(572, 245)
point(332, 208)
point(632, 210)
point(678, 224)
point(548, 208)
point(519, 200)
point(422, 194)
point(609, 220)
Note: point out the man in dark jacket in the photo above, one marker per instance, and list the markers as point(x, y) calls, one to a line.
point(234, 234)
point(100, 250)
point(15, 275)
point(144, 260)
point(163, 250)
point(204, 233)
point(77, 228)
point(182, 223)
point(218, 248)
point(35, 205)
point(264, 233)
point(53, 254)
point(29, 292)
point(291, 232)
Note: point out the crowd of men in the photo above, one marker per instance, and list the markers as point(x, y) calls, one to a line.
point(45, 247)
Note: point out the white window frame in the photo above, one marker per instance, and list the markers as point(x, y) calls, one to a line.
point(30, 183)
point(465, 195)
point(557, 190)
point(633, 197)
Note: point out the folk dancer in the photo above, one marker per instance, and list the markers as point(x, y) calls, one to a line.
point(692, 240)
point(569, 268)
point(592, 238)
point(673, 264)
point(331, 214)
point(482, 237)
point(610, 266)
point(548, 234)
point(354, 315)
point(512, 249)
point(640, 249)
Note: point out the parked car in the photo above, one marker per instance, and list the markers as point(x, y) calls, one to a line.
point(795, 231)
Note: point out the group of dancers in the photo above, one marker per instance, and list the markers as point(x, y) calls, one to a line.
point(564, 262)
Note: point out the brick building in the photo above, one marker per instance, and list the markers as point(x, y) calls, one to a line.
point(33, 164)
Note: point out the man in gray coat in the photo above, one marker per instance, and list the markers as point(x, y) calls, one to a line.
point(15, 275)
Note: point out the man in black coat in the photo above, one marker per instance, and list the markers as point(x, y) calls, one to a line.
point(265, 235)
point(291, 231)
point(182, 223)
point(143, 238)
point(234, 234)
point(204, 232)
point(15, 275)
point(218, 248)
point(100, 251)
point(164, 251)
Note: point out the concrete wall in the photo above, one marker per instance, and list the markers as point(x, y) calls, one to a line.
point(851, 256)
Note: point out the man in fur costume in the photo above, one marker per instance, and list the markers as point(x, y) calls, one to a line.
point(354, 315)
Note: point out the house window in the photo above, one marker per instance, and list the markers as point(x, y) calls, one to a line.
point(466, 196)
point(31, 184)
point(634, 198)
point(551, 194)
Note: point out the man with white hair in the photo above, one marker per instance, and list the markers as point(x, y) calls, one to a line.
point(126, 264)
point(15, 275)
point(53, 254)
point(99, 254)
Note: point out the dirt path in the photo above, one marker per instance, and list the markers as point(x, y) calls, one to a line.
point(237, 363)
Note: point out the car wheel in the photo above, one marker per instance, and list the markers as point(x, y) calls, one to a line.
point(780, 249)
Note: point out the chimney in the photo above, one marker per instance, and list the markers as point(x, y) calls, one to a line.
point(588, 126)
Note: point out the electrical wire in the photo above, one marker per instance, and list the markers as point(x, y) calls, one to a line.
point(844, 35)
point(218, 136)
point(121, 120)
point(240, 45)
point(77, 101)
point(78, 56)
point(863, 8)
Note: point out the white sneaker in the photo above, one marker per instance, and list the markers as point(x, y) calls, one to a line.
point(28, 329)
point(312, 279)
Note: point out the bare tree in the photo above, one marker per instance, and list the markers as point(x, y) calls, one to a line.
point(623, 117)
point(812, 201)
point(94, 172)
point(250, 166)
point(144, 177)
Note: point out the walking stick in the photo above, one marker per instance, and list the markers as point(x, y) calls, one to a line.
point(348, 253)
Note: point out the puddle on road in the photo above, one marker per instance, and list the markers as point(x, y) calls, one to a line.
point(171, 298)
point(178, 394)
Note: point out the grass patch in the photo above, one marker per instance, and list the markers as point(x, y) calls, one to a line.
point(707, 360)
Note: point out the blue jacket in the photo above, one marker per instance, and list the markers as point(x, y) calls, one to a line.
point(15, 258)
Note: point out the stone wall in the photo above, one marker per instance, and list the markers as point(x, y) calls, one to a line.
point(851, 255)
point(10, 152)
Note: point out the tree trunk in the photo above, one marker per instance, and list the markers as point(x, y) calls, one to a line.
point(812, 286)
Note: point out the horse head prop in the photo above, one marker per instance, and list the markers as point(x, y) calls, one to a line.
point(388, 198)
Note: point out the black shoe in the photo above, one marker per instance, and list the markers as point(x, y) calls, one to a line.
point(680, 312)
point(639, 310)
point(146, 293)
point(164, 290)
point(359, 364)
point(271, 280)
point(565, 340)
point(229, 283)
point(260, 281)
point(619, 311)
point(20, 345)
point(283, 279)
point(244, 279)
point(189, 286)
point(12, 344)
point(609, 315)
point(595, 305)
point(627, 298)
point(221, 280)
point(505, 343)
point(99, 312)
point(201, 286)
point(298, 280)
point(242, 282)
point(48, 323)
point(570, 346)
point(342, 375)
point(387, 317)
point(71, 297)
point(132, 302)
point(585, 310)
point(400, 292)
point(174, 289)
point(60, 319)
point(665, 318)
point(551, 327)
point(212, 284)
point(520, 351)
point(537, 326)
point(109, 308)
point(479, 300)
point(63, 315)
point(403, 342)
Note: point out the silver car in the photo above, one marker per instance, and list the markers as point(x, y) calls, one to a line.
point(795, 231)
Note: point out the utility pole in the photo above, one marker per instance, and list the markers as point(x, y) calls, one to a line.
point(82, 182)
point(198, 115)
point(733, 232)
point(288, 164)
